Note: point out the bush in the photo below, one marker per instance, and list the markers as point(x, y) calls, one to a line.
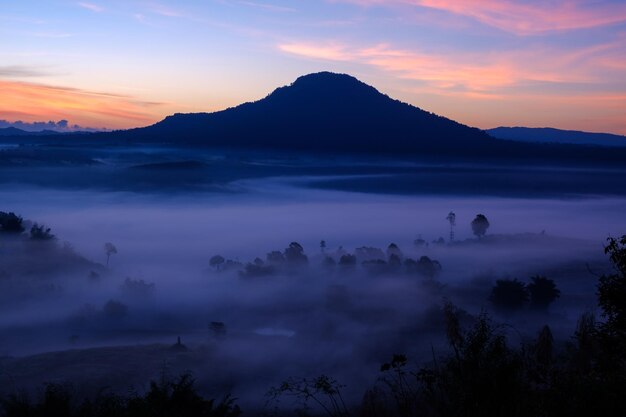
point(543, 292)
point(11, 223)
point(41, 233)
point(509, 295)
point(177, 398)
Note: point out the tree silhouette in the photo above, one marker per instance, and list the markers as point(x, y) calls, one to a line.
point(294, 254)
point(11, 223)
point(323, 392)
point(41, 233)
point(612, 289)
point(329, 262)
point(480, 224)
point(366, 253)
point(109, 249)
point(428, 267)
point(544, 347)
point(275, 257)
point(254, 269)
point(509, 295)
point(451, 218)
point(394, 261)
point(347, 260)
point(217, 261)
point(166, 398)
point(401, 384)
point(542, 292)
point(482, 377)
point(138, 287)
point(218, 328)
point(393, 249)
point(375, 266)
point(612, 301)
point(231, 265)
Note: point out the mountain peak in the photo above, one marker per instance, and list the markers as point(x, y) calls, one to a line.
point(326, 77)
point(327, 87)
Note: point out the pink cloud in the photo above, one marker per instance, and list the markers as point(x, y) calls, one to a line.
point(484, 73)
point(440, 71)
point(267, 6)
point(328, 51)
point(521, 17)
point(91, 6)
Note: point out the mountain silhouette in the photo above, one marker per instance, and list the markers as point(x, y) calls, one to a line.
point(14, 131)
point(328, 113)
point(551, 135)
point(323, 111)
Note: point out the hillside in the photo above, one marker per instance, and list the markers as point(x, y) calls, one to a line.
point(550, 135)
point(13, 131)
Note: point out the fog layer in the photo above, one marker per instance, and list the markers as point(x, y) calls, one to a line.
point(246, 331)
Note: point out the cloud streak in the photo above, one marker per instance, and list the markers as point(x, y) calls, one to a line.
point(521, 18)
point(11, 71)
point(533, 18)
point(90, 6)
point(482, 73)
point(166, 11)
point(327, 51)
point(267, 6)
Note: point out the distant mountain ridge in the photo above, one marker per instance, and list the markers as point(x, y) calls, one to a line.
point(14, 131)
point(551, 135)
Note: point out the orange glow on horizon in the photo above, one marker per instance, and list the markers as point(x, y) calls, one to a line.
point(32, 102)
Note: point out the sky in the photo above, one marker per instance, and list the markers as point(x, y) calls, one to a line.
point(486, 63)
